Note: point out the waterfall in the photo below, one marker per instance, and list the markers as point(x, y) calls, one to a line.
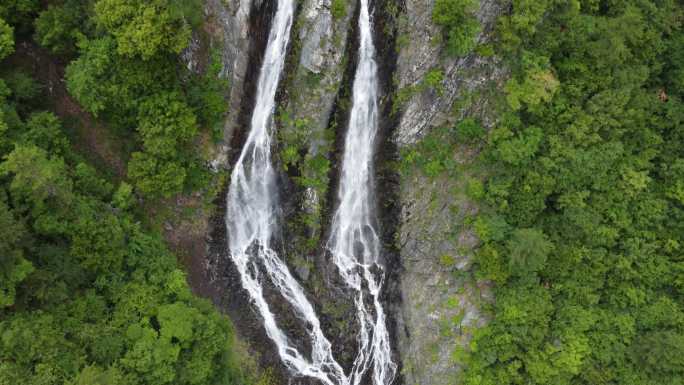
point(252, 217)
point(354, 243)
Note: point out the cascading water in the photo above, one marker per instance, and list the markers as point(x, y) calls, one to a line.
point(354, 243)
point(252, 216)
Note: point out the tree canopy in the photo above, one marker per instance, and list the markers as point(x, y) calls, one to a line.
point(88, 295)
point(582, 220)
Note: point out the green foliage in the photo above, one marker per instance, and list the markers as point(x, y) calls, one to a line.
point(85, 76)
point(13, 267)
point(123, 197)
point(24, 88)
point(528, 250)
point(146, 29)
point(131, 92)
point(104, 82)
point(207, 95)
point(156, 177)
point(436, 153)
point(58, 28)
point(538, 86)
point(44, 130)
point(338, 8)
point(6, 39)
point(166, 123)
point(19, 13)
point(470, 130)
point(514, 149)
point(458, 23)
point(433, 79)
point(447, 260)
point(38, 181)
point(583, 222)
point(523, 20)
point(87, 295)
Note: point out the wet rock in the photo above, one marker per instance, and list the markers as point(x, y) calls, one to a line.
point(316, 36)
point(303, 272)
point(228, 23)
point(314, 87)
point(320, 69)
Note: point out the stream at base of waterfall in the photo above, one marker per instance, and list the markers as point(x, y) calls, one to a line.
point(253, 211)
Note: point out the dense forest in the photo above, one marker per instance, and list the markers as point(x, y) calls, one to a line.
point(583, 208)
point(579, 186)
point(88, 295)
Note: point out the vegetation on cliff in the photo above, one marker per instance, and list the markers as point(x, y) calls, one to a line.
point(581, 194)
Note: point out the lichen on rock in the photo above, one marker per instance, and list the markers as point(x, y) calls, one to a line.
point(441, 300)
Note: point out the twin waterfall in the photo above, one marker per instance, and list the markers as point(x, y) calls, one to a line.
point(252, 219)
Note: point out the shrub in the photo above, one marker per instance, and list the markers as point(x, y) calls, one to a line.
point(459, 25)
point(338, 8)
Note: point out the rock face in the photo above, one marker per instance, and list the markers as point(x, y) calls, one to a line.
point(319, 73)
point(228, 23)
point(440, 298)
point(311, 88)
point(420, 55)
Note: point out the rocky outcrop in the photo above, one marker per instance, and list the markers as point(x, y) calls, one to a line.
point(420, 54)
point(311, 88)
point(440, 298)
point(322, 39)
point(227, 28)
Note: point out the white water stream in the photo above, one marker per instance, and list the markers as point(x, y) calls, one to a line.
point(252, 217)
point(354, 243)
point(252, 220)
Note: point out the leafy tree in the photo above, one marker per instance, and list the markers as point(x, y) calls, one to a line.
point(86, 75)
point(154, 176)
point(528, 250)
point(660, 352)
point(94, 375)
point(44, 130)
point(470, 130)
point(59, 28)
point(104, 82)
point(145, 29)
point(538, 86)
point(166, 123)
point(206, 95)
point(13, 267)
point(19, 13)
point(88, 296)
point(24, 88)
point(6, 39)
point(338, 8)
point(459, 25)
point(38, 182)
point(166, 126)
point(123, 197)
point(582, 167)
